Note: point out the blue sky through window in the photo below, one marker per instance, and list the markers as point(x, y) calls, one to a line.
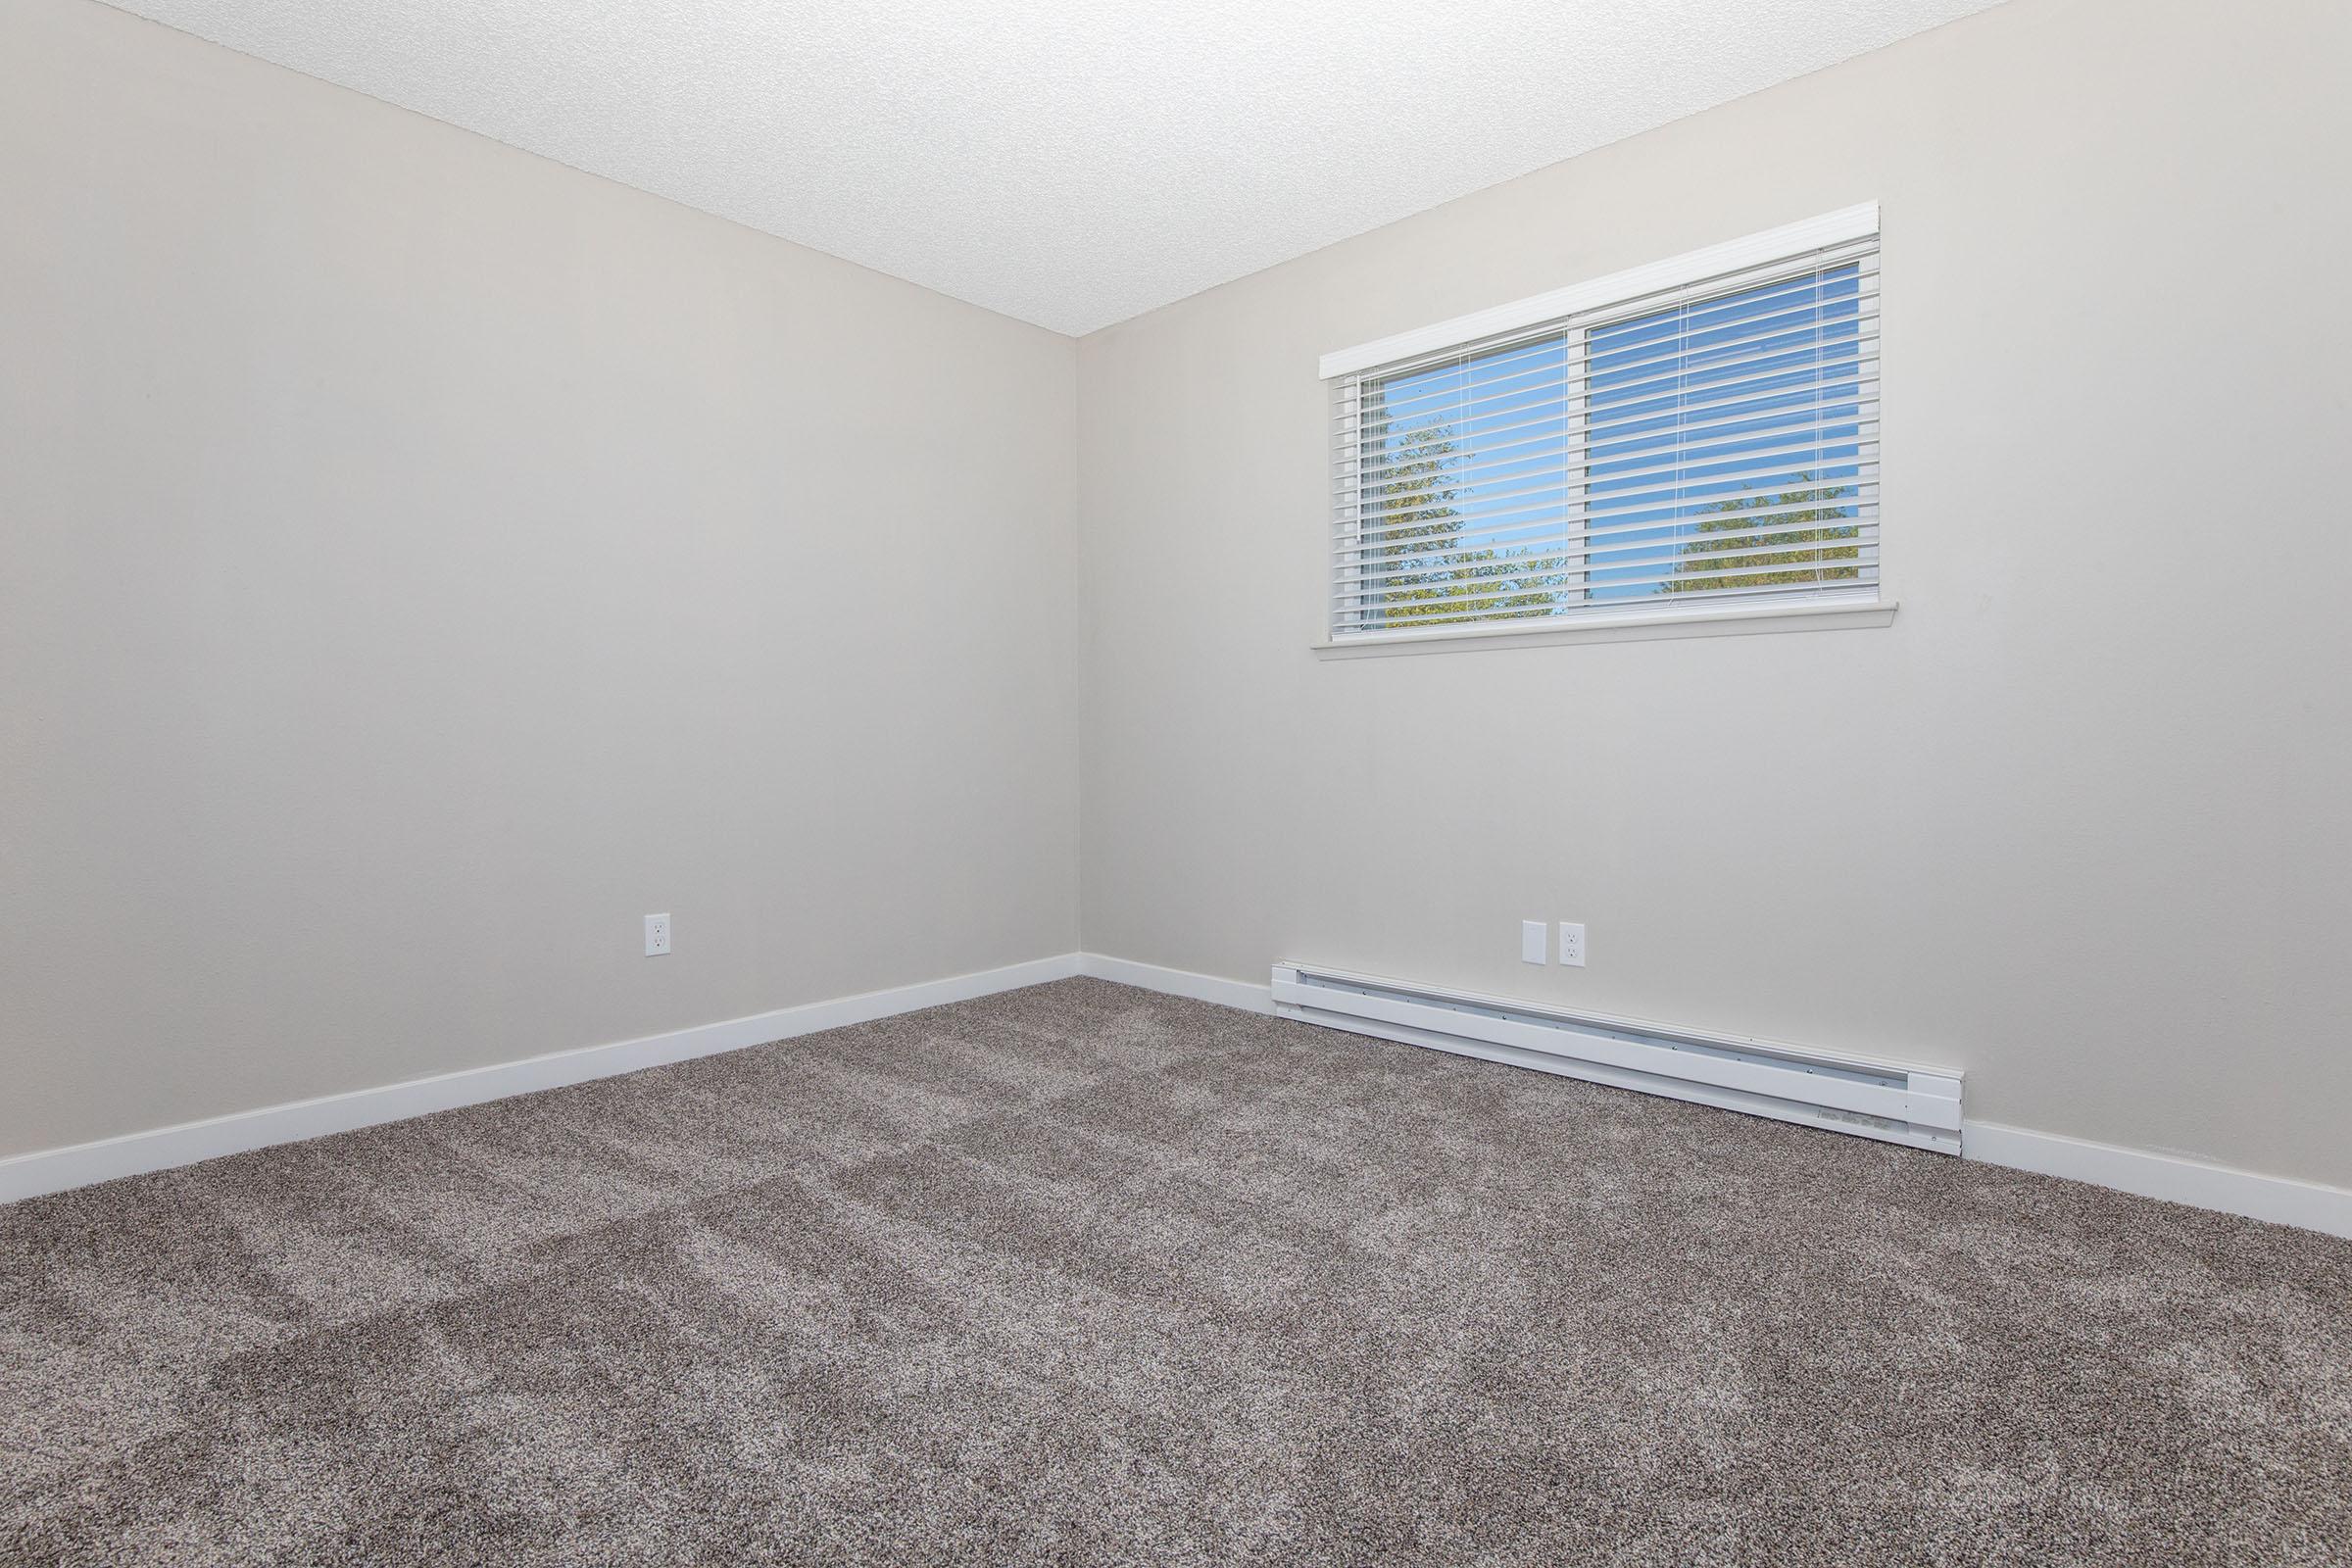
point(1716, 445)
point(1719, 408)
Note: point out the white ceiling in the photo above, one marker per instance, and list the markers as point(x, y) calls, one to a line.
point(1068, 161)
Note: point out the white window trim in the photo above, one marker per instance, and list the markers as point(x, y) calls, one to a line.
point(1876, 609)
point(1675, 271)
point(1633, 626)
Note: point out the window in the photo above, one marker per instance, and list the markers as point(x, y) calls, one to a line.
point(1695, 436)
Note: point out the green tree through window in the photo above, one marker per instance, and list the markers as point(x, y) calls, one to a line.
point(1419, 564)
point(1735, 554)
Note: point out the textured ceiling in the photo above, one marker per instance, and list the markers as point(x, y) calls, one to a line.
point(1069, 162)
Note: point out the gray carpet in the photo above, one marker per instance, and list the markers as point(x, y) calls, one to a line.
point(1086, 1275)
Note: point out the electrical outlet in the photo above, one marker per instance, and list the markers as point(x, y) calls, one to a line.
point(1532, 940)
point(1572, 943)
point(657, 935)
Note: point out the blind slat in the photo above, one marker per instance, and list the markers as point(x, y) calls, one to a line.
point(1701, 447)
point(1845, 401)
point(1378, 561)
point(1662, 566)
point(1828, 493)
point(1380, 415)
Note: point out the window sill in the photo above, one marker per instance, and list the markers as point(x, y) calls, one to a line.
point(1633, 626)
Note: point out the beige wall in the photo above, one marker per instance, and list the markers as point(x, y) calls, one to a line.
point(2078, 821)
point(419, 561)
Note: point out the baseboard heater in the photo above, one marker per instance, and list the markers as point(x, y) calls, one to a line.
point(1897, 1101)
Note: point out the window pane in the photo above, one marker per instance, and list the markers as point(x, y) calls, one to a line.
point(1466, 474)
point(1621, 453)
point(1726, 443)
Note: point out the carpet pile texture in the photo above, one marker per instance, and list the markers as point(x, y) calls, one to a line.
point(1082, 1274)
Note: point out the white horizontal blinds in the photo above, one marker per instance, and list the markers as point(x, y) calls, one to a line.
point(1733, 446)
point(1712, 442)
point(1459, 488)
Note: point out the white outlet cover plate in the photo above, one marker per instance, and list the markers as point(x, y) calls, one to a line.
point(657, 935)
point(1572, 943)
point(1532, 942)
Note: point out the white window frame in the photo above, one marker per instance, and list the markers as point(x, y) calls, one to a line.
point(1629, 288)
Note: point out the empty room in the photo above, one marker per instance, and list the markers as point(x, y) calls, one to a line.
point(1543, 782)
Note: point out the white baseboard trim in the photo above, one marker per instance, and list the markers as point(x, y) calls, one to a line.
point(1178, 982)
point(2276, 1198)
point(54, 1170)
point(2280, 1199)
